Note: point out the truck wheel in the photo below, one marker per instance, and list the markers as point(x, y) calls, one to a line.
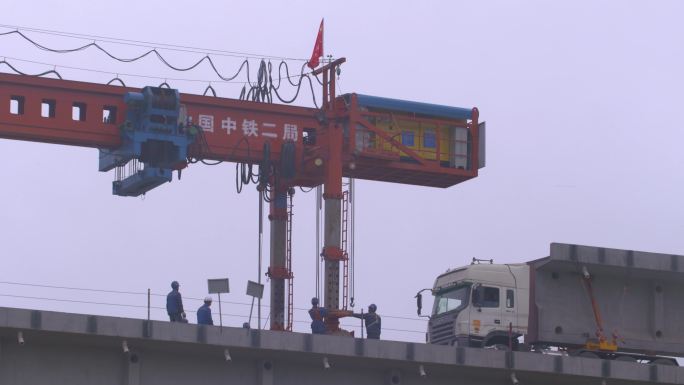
point(663, 361)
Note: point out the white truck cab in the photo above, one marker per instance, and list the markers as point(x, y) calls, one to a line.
point(587, 301)
point(480, 305)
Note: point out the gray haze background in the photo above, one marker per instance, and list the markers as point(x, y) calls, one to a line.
point(583, 102)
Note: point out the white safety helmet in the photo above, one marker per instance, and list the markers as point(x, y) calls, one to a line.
point(208, 299)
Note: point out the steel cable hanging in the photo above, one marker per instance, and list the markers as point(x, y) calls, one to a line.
point(13, 68)
point(155, 51)
point(207, 58)
point(117, 74)
point(259, 92)
point(147, 44)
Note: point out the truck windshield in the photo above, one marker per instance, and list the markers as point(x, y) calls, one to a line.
point(454, 299)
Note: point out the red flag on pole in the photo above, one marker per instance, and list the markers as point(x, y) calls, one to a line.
point(318, 49)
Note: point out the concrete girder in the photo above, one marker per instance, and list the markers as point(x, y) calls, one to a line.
point(76, 349)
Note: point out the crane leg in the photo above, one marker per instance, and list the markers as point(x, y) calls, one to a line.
point(332, 243)
point(332, 251)
point(278, 271)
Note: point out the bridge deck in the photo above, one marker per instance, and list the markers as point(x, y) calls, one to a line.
point(74, 349)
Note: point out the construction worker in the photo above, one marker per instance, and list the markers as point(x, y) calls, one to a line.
point(317, 314)
point(204, 313)
point(174, 304)
point(372, 321)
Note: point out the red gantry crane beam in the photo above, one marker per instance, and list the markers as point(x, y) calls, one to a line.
point(352, 135)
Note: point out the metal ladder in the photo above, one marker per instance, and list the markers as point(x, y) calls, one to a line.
point(345, 255)
point(288, 267)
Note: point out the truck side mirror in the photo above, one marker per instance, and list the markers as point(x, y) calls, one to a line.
point(419, 302)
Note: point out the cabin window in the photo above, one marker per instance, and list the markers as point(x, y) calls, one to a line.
point(47, 108)
point(408, 138)
point(510, 301)
point(485, 296)
point(429, 139)
point(78, 112)
point(17, 105)
point(451, 300)
point(109, 115)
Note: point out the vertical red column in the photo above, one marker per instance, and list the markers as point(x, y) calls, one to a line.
point(332, 197)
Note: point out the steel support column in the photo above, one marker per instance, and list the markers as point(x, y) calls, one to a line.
point(278, 271)
point(332, 242)
point(332, 251)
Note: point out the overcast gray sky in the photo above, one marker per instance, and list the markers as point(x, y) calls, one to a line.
point(583, 102)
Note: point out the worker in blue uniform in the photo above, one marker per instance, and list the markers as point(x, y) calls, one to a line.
point(174, 304)
point(204, 313)
point(317, 315)
point(372, 321)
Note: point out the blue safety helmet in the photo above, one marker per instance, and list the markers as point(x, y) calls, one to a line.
point(174, 285)
point(314, 301)
point(372, 308)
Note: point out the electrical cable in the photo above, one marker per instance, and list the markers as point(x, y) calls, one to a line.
point(287, 72)
point(158, 308)
point(299, 85)
point(13, 68)
point(260, 91)
point(155, 295)
point(96, 303)
point(146, 44)
point(71, 288)
point(162, 59)
point(74, 301)
point(209, 88)
point(117, 79)
point(180, 79)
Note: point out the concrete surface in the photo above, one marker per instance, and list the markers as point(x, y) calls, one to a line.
point(74, 349)
point(638, 294)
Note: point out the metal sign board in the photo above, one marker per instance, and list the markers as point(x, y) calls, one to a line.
point(255, 289)
point(219, 285)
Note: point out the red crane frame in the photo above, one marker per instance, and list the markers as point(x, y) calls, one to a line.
point(330, 143)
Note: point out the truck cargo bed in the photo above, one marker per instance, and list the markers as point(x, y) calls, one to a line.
point(640, 296)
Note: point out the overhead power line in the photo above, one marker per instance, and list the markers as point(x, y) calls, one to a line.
point(161, 308)
point(143, 293)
